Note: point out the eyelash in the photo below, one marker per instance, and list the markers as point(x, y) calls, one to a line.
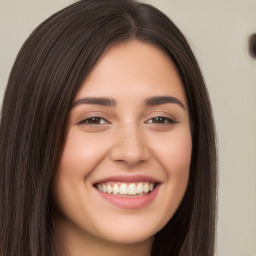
point(159, 119)
point(93, 119)
point(97, 120)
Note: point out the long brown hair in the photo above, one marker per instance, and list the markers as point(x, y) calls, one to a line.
point(48, 71)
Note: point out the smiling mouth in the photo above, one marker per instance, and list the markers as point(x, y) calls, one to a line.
point(126, 189)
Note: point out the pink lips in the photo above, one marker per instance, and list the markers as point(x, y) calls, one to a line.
point(133, 202)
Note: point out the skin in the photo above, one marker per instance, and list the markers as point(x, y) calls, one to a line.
point(128, 139)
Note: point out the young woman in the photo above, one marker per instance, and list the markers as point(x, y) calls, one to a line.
point(107, 142)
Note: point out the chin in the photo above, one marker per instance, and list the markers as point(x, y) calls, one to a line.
point(132, 230)
point(131, 237)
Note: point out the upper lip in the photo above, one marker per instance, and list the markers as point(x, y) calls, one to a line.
point(128, 178)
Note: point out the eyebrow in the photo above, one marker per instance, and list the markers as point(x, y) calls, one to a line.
point(109, 102)
point(159, 100)
point(103, 101)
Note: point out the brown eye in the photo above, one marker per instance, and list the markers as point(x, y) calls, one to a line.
point(95, 120)
point(161, 120)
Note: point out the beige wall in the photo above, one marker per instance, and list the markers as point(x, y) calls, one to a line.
point(218, 32)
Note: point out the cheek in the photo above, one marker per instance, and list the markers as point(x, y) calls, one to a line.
point(174, 154)
point(177, 165)
point(81, 154)
point(173, 151)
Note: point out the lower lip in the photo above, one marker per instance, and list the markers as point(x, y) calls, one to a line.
point(130, 202)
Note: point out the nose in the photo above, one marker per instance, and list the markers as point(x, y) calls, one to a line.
point(129, 146)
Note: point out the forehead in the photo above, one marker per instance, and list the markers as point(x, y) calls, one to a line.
point(133, 68)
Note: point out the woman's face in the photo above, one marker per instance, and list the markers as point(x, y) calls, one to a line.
point(125, 165)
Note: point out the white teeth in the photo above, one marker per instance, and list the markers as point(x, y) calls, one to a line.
point(109, 189)
point(123, 189)
point(140, 188)
point(99, 186)
point(146, 188)
point(116, 189)
point(131, 189)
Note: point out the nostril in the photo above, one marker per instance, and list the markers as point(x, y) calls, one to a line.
point(128, 154)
